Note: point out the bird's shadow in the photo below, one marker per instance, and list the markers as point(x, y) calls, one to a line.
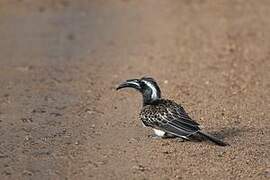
point(229, 132)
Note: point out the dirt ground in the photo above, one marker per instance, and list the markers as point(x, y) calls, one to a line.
point(60, 61)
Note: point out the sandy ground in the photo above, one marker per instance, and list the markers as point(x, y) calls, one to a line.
point(60, 61)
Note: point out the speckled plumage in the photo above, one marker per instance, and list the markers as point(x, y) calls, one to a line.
point(170, 117)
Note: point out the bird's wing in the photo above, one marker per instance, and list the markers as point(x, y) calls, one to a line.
point(178, 112)
point(175, 124)
point(171, 118)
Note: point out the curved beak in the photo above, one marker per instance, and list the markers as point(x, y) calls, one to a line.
point(131, 83)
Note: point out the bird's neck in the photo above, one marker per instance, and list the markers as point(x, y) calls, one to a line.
point(149, 97)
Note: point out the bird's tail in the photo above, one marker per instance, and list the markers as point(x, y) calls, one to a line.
point(213, 139)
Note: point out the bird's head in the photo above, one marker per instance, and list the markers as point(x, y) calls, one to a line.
point(146, 85)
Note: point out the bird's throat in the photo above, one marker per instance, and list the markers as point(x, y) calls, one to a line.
point(149, 98)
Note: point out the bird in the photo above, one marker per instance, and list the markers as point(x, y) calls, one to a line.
point(167, 118)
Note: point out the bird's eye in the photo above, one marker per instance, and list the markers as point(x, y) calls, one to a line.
point(142, 84)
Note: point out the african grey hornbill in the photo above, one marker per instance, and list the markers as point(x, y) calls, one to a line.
point(167, 118)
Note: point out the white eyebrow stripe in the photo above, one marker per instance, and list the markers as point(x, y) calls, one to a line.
point(154, 90)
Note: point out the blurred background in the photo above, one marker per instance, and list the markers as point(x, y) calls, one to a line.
point(60, 61)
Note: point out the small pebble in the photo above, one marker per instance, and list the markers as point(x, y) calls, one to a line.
point(139, 168)
point(28, 173)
